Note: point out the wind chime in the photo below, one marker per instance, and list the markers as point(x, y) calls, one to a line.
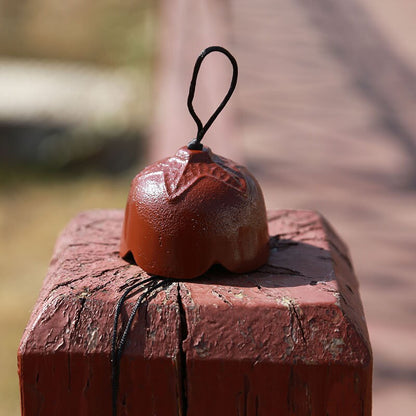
point(187, 213)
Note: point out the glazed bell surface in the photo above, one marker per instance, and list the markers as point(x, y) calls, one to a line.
point(191, 211)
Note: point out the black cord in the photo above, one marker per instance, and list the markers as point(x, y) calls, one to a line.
point(150, 286)
point(195, 144)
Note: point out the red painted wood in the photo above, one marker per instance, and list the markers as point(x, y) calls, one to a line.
point(63, 358)
point(289, 339)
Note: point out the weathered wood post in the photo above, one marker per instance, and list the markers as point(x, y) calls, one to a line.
point(288, 339)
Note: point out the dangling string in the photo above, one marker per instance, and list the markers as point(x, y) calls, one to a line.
point(149, 286)
point(195, 144)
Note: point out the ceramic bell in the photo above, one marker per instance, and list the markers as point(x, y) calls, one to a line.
point(196, 209)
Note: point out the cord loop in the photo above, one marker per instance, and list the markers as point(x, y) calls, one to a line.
point(195, 144)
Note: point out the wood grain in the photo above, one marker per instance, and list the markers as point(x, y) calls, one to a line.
point(288, 339)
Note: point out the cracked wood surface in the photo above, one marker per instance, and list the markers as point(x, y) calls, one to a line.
point(289, 338)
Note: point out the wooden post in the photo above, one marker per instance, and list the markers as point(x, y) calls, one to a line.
point(289, 339)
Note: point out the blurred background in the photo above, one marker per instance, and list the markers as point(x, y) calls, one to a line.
point(75, 96)
point(324, 115)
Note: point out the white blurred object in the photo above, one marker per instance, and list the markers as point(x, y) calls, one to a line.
point(70, 93)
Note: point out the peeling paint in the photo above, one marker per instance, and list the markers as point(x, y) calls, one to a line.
point(335, 347)
point(265, 328)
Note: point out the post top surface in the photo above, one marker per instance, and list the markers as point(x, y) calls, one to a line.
point(306, 298)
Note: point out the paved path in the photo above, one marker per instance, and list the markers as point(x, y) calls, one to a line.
point(326, 109)
point(324, 117)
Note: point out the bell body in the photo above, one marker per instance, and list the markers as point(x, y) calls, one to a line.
point(191, 211)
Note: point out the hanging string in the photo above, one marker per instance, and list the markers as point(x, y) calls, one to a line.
point(149, 286)
point(195, 144)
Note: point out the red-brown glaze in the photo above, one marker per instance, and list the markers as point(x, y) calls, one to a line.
point(188, 212)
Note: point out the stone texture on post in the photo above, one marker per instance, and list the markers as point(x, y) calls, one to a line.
point(289, 339)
